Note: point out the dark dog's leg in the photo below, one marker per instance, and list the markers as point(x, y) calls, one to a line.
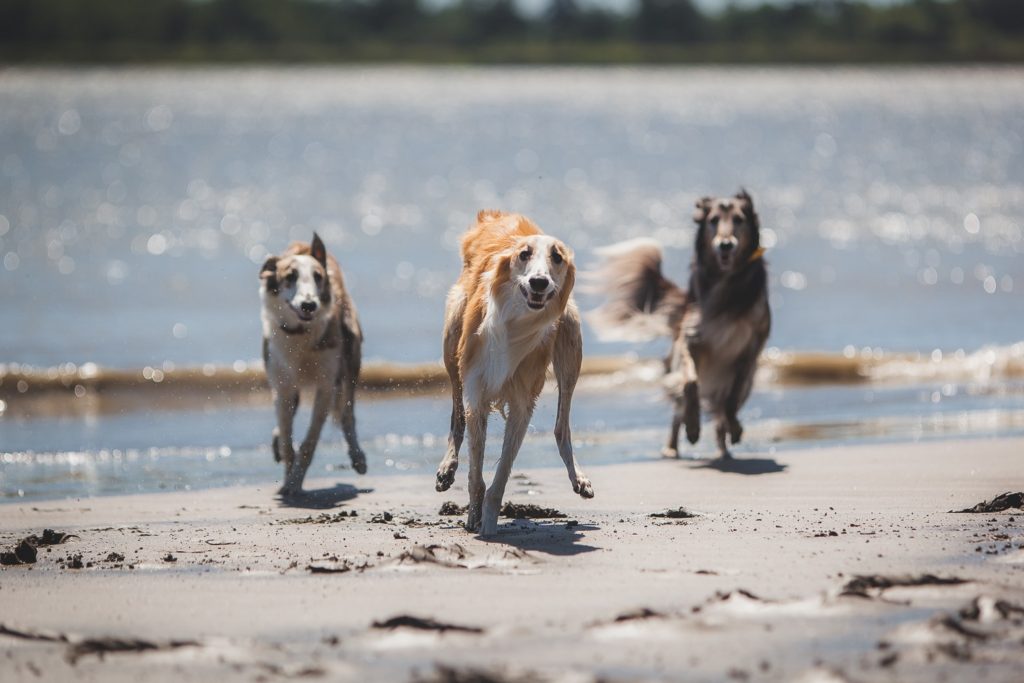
point(686, 408)
point(721, 428)
point(567, 359)
point(297, 473)
point(476, 419)
point(738, 393)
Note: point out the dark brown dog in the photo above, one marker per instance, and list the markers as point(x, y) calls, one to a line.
point(718, 325)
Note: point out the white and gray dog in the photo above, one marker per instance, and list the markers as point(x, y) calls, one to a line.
point(311, 338)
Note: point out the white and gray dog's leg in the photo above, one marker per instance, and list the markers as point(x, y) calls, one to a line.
point(476, 423)
point(297, 473)
point(515, 429)
point(286, 402)
point(346, 411)
point(567, 360)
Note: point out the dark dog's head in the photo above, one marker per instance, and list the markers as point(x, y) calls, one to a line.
point(296, 284)
point(728, 233)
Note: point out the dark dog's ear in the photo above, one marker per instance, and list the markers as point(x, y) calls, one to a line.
point(318, 250)
point(703, 207)
point(747, 205)
point(268, 273)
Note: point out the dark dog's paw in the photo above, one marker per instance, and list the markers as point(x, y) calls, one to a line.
point(693, 431)
point(358, 461)
point(735, 432)
point(691, 411)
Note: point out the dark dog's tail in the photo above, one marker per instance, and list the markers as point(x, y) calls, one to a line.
point(640, 303)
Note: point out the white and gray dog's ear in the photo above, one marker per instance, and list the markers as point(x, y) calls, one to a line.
point(268, 273)
point(318, 250)
point(703, 207)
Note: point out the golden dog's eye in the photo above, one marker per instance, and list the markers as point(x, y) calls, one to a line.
point(556, 257)
point(714, 220)
point(524, 255)
point(737, 220)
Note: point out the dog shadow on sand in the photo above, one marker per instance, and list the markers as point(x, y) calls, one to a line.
point(321, 499)
point(746, 466)
point(549, 537)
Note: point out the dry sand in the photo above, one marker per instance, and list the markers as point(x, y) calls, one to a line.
point(225, 584)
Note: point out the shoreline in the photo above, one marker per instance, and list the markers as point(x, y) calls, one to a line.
point(776, 542)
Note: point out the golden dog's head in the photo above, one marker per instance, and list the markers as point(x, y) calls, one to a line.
point(729, 231)
point(542, 271)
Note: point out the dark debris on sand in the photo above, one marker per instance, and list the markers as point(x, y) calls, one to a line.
point(423, 624)
point(639, 615)
point(25, 552)
point(529, 511)
point(1004, 501)
point(323, 518)
point(105, 646)
point(860, 585)
point(676, 513)
point(450, 508)
point(443, 555)
point(79, 647)
point(448, 674)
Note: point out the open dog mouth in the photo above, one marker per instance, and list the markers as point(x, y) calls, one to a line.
point(536, 300)
point(304, 316)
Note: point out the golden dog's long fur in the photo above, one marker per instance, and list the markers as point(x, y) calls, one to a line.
point(508, 317)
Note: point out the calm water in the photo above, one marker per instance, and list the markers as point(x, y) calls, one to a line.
point(135, 207)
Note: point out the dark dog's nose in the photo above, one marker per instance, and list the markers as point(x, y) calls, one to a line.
point(726, 247)
point(308, 306)
point(538, 284)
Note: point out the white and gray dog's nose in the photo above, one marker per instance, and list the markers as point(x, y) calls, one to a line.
point(308, 306)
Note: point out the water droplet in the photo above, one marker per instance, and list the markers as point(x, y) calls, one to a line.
point(157, 244)
point(70, 122)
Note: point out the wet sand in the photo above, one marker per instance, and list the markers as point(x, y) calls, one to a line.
point(827, 564)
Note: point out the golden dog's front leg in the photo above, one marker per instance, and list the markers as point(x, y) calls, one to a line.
point(476, 421)
point(519, 413)
point(567, 360)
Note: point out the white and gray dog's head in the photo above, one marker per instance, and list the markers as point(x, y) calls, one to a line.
point(295, 286)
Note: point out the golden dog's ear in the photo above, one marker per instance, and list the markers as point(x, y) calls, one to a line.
point(703, 207)
point(268, 273)
point(565, 291)
point(318, 251)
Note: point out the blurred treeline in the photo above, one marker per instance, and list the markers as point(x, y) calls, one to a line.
point(499, 31)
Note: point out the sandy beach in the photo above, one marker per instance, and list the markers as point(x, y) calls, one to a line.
point(792, 568)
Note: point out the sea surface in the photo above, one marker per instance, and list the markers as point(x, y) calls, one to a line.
point(136, 206)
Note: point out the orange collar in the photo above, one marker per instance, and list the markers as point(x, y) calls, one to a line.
point(758, 253)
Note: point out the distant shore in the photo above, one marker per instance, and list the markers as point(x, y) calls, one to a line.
point(834, 564)
point(526, 53)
